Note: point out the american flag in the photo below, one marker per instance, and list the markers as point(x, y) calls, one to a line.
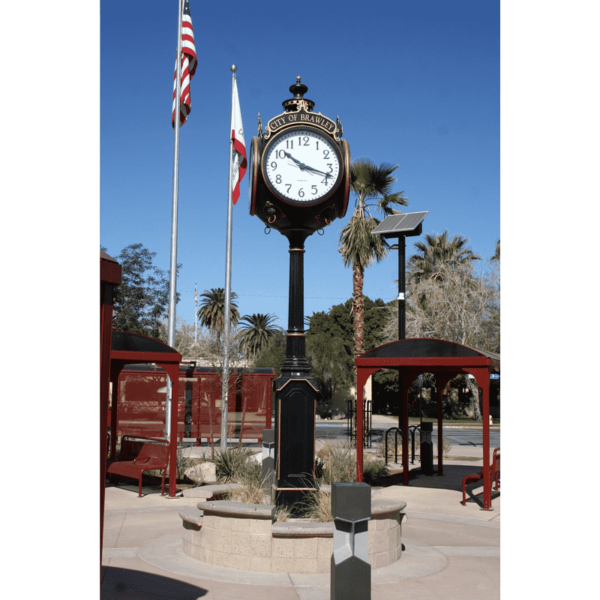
point(188, 67)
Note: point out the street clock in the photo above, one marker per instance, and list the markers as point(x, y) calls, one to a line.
point(299, 183)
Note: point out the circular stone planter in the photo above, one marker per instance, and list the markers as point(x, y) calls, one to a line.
point(244, 537)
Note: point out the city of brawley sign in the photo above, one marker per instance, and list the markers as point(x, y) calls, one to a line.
point(301, 117)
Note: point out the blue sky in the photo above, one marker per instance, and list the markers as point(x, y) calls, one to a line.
point(415, 84)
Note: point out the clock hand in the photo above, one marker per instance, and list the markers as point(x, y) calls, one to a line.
point(304, 167)
point(312, 169)
point(301, 165)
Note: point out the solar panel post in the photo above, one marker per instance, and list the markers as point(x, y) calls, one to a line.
point(401, 287)
point(400, 226)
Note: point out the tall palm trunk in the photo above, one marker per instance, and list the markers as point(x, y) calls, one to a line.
point(358, 304)
point(358, 308)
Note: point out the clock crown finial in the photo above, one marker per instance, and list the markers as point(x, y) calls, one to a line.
point(298, 101)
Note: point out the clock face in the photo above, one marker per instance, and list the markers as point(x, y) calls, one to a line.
point(302, 166)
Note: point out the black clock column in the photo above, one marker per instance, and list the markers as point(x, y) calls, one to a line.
point(297, 216)
point(295, 394)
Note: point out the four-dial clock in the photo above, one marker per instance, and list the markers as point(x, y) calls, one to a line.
point(302, 166)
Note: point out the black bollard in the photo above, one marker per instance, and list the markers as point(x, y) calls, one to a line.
point(268, 455)
point(350, 565)
point(426, 449)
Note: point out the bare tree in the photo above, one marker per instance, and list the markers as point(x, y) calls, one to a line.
point(457, 305)
point(460, 306)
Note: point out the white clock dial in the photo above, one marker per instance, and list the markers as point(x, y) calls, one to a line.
point(302, 166)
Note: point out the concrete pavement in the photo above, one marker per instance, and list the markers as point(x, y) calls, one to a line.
point(451, 551)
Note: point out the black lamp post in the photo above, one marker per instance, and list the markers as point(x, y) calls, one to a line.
point(299, 183)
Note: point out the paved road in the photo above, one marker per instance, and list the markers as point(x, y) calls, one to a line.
point(468, 437)
point(463, 436)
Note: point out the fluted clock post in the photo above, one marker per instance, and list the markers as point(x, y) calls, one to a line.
point(296, 394)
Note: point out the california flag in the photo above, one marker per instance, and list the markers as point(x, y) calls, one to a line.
point(239, 146)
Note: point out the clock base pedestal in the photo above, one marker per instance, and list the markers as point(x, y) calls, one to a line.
point(295, 409)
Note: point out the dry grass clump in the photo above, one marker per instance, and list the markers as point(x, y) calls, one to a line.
point(282, 513)
point(317, 507)
point(251, 492)
point(336, 462)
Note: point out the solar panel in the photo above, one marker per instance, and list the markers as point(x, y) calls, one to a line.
point(397, 225)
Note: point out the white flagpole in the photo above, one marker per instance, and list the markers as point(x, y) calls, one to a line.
point(195, 313)
point(226, 328)
point(173, 279)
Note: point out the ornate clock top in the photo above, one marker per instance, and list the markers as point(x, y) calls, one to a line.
point(298, 101)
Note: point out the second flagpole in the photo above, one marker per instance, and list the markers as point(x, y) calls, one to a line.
point(173, 274)
point(227, 308)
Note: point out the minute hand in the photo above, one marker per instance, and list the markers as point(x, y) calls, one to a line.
point(317, 171)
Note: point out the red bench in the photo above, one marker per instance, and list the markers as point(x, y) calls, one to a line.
point(494, 477)
point(138, 455)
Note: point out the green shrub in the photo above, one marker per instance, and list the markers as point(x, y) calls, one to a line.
point(374, 469)
point(233, 464)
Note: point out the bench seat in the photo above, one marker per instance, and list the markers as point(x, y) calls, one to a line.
point(138, 455)
point(494, 477)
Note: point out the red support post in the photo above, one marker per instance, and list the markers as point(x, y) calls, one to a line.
point(440, 417)
point(173, 372)
point(114, 377)
point(406, 383)
point(487, 484)
point(110, 276)
point(482, 376)
point(362, 375)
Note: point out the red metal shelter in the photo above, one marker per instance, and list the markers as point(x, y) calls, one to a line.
point(142, 402)
point(413, 357)
point(134, 348)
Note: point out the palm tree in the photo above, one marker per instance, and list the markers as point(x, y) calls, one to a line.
point(358, 247)
point(438, 250)
point(257, 330)
point(212, 309)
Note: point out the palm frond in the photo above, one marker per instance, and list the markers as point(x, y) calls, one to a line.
point(357, 245)
point(397, 199)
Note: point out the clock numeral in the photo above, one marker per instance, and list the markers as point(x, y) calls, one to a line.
point(330, 167)
point(304, 139)
point(289, 144)
point(301, 193)
point(325, 153)
point(317, 145)
point(274, 165)
point(280, 154)
point(278, 179)
point(324, 181)
point(289, 187)
point(314, 189)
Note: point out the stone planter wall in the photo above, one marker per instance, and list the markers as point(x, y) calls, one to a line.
point(244, 537)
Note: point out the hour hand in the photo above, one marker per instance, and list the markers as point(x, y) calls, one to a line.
point(288, 155)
